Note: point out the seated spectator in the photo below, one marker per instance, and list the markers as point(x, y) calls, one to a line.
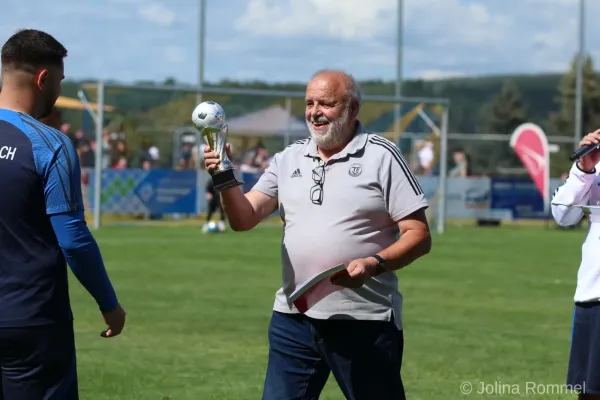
point(119, 150)
point(121, 163)
point(461, 167)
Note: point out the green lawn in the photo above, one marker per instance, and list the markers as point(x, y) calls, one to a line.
point(487, 305)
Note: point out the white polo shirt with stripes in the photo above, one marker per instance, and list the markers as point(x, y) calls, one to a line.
point(339, 211)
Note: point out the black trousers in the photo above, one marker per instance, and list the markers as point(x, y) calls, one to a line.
point(213, 205)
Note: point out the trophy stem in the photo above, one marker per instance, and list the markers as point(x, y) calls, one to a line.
point(208, 138)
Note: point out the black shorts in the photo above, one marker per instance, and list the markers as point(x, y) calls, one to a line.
point(38, 363)
point(584, 359)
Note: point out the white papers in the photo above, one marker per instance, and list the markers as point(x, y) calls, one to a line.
point(313, 280)
point(587, 208)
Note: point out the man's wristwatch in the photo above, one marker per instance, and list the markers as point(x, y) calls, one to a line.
point(380, 267)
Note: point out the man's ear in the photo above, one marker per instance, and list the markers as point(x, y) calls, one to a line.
point(355, 108)
point(41, 78)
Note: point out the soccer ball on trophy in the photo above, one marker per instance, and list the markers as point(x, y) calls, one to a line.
point(208, 115)
point(209, 118)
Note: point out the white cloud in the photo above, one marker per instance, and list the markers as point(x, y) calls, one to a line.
point(354, 20)
point(157, 13)
point(126, 1)
point(437, 74)
point(362, 20)
point(441, 36)
point(175, 55)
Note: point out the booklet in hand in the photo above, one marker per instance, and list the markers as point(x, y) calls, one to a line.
point(317, 287)
point(588, 208)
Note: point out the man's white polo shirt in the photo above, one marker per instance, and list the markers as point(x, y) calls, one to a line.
point(337, 212)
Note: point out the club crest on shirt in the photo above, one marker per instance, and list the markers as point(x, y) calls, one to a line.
point(355, 170)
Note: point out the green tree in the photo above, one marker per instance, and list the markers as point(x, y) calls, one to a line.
point(563, 121)
point(501, 115)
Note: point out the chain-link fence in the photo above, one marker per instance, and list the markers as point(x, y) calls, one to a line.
point(490, 155)
point(147, 131)
point(151, 159)
point(158, 117)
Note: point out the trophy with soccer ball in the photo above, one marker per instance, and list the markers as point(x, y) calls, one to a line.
point(209, 118)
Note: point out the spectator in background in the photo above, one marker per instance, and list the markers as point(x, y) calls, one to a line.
point(214, 204)
point(87, 160)
point(80, 142)
point(248, 165)
point(255, 160)
point(144, 156)
point(121, 163)
point(119, 152)
point(261, 157)
point(118, 134)
point(106, 148)
point(426, 157)
point(186, 161)
point(154, 155)
point(461, 167)
point(66, 129)
point(79, 139)
point(149, 155)
point(86, 154)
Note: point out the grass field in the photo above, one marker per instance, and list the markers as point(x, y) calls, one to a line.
point(487, 305)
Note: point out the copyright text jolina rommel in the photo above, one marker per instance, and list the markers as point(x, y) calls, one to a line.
point(515, 389)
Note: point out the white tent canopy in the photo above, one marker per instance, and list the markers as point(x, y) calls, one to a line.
point(274, 121)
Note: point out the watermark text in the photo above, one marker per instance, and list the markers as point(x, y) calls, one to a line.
point(500, 388)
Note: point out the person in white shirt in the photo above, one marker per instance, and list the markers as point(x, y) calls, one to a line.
point(582, 187)
point(426, 156)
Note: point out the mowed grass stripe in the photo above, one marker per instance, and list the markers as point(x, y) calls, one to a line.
point(486, 305)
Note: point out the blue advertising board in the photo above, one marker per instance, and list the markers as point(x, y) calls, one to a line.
point(520, 196)
point(250, 180)
point(155, 191)
point(158, 192)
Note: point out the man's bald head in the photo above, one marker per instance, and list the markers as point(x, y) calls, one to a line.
point(342, 80)
point(332, 104)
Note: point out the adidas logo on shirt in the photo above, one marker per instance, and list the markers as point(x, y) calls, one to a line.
point(296, 174)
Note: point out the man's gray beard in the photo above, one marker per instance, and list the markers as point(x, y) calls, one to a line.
point(335, 137)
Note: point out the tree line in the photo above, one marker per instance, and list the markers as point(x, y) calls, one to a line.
point(508, 109)
point(488, 104)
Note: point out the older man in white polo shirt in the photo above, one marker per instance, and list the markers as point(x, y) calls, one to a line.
point(345, 196)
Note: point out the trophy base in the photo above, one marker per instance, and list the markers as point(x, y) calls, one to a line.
point(225, 179)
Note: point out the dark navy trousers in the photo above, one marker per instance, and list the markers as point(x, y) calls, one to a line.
point(365, 358)
point(38, 363)
point(584, 360)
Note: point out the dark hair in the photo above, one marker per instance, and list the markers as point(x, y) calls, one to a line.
point(29, 49)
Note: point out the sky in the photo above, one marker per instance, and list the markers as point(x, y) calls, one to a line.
point(288, 40)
